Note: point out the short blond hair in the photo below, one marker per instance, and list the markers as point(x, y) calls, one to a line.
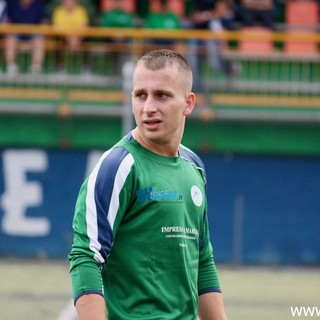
point(160, 59)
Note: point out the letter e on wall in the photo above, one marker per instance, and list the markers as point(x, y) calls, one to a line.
point(20, 193)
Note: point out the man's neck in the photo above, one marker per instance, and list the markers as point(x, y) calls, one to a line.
point(163, 150)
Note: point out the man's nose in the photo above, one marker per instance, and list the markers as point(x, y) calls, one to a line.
point(149, 105)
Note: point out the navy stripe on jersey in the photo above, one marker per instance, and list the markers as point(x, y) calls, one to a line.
point(103, 193)
point(130, 136)
point(192, 157)
point(209, 290)
point(201, 238)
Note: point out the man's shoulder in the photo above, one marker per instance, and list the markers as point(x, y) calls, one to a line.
point(121, 150)
point(191, 156)
point(184, 150)
point(116, 159)
point(125, 141)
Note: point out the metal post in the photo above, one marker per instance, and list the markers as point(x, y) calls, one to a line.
point(127, 116)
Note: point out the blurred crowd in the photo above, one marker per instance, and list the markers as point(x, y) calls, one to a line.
point(212, 15)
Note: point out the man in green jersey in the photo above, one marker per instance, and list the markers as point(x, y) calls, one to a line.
point(141, 245)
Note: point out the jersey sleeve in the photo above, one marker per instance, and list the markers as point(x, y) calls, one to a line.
point(208, 280)
point(97, 209)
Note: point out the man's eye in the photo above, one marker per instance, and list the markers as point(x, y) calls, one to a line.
point(140, 95)
point(162, 95)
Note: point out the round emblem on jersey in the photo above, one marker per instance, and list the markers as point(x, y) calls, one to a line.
point(196, 196)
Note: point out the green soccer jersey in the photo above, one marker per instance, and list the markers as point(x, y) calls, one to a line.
point(163, 20)
point(117, 18)
point(141, 234)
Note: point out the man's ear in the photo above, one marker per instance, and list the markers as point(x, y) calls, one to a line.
point(190, 102)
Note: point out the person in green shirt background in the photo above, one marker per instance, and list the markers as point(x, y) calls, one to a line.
point(117, 17)
point(164, 18)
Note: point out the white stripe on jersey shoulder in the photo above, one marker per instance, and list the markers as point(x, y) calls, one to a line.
point(120, 178)
point(91, 214)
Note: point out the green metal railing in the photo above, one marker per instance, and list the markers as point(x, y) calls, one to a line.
point(55, 108)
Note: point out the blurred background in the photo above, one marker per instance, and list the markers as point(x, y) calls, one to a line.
point(65, 83)
point(65, 97)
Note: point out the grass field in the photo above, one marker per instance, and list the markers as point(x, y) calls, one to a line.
point(39, 290)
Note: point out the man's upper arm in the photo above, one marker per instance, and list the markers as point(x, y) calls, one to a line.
point(97, 208)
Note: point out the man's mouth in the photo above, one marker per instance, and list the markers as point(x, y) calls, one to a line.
point(152, 123)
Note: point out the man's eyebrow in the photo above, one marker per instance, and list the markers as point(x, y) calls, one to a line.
point(168, 92)
point(157, 91)
point(138, 90)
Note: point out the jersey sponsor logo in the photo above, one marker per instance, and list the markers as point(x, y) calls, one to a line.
point(196, 196)
point(180, 232)
point(148, 194)
point(179, 229)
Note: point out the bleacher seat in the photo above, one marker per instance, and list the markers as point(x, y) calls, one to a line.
point(297, 47)
point(262, 44)
point(302, 14)
point(302, 18)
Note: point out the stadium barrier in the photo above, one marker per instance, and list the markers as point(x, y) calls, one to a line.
point(269, 82)
point(274, 87)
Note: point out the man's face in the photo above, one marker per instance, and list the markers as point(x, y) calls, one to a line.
point(160, 103)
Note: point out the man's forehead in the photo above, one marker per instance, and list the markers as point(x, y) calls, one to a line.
point(170, 75)
point(144, 75)
point(167, 68)
point(166, 72)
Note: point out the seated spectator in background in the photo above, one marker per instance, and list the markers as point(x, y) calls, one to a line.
point(228, 18)
point(221, 13)
point(3, 11)
point(216, 16)
point(117, 17)
point(257, 13)
point(164, 18)
point(72, 15)
point(3, 19)
point(25, 12)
